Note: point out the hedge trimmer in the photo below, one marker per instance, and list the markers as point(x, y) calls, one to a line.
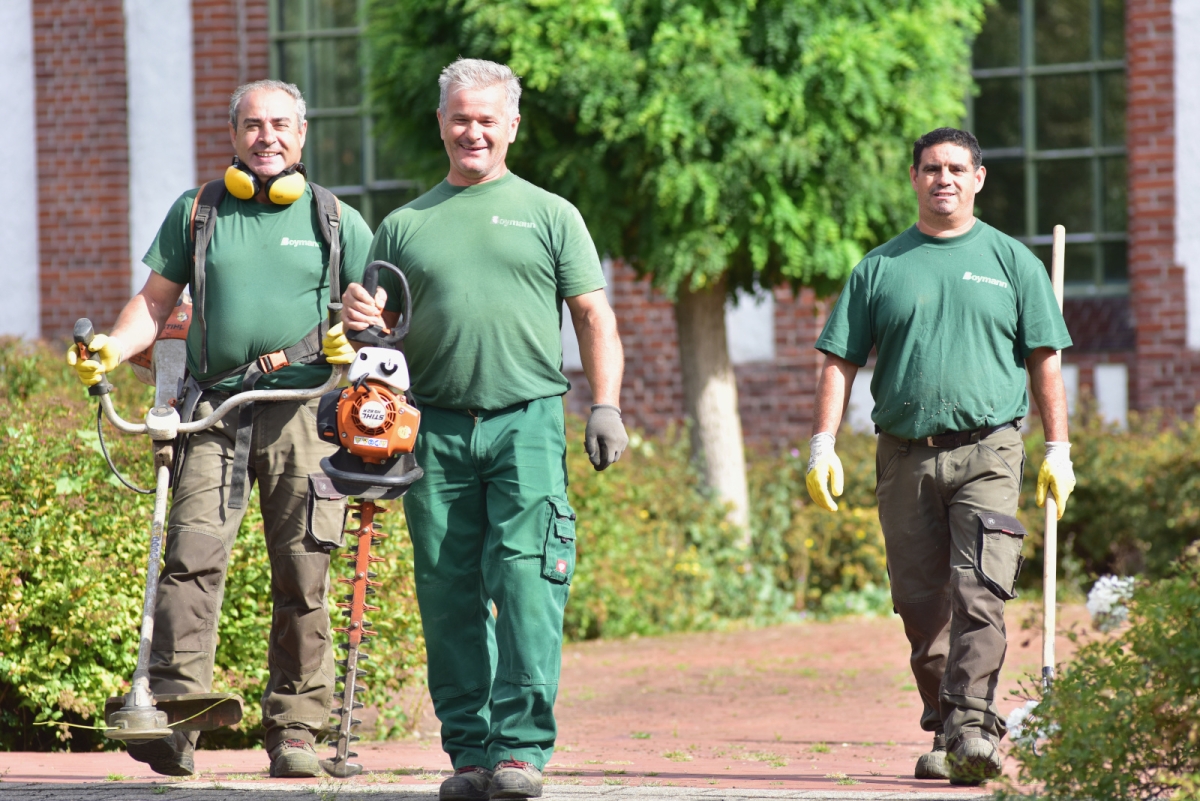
point(375, 428)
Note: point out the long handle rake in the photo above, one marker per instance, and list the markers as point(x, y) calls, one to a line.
point(1050, 554)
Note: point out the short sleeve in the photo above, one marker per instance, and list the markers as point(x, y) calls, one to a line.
point(356, 245)
point(1040, 323)
point(170, 255)
point(577, 265)
point(848, 332)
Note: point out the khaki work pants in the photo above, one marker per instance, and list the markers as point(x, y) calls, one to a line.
point(954, 552)
point(201, 530)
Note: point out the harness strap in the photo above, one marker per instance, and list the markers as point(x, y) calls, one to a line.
point(204, 222)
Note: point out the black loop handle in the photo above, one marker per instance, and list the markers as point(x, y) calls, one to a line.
point(375, 335)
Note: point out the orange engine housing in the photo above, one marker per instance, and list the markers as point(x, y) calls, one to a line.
point(374, 423)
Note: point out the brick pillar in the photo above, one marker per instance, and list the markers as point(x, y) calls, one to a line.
point(230, 46)
point(83, 162)
point(1166, 374)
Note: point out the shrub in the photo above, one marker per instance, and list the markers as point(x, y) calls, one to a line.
point(1122, 720)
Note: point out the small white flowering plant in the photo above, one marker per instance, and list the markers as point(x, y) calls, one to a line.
point(1107, 602)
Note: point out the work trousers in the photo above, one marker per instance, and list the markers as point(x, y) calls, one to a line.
point(201, 530)
point(953, 552)
point(490, 524)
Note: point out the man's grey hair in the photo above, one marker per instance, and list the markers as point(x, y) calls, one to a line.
point(235, 99)
point(475, 73)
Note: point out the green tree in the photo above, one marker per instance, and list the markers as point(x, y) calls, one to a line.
point(715, 145)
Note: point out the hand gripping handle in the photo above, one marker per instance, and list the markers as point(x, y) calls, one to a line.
point(377, 336)
point(83, 334)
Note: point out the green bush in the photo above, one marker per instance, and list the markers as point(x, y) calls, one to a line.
point(1122, 721)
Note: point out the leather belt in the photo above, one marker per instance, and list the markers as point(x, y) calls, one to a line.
point(957, 439)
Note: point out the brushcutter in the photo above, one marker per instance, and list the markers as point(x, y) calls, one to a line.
point(1050, 554)
point(375, 428)
point(141, 715)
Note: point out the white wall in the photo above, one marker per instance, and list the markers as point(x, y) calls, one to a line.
point(1186, 18)
point(750, 327)
point(862, 403)
point(570, 342)
point(162, 145)
point(1112, 393)
point(18, 165)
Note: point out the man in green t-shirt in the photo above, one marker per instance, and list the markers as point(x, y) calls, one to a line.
point(490, 259)
point(266, 287)
point(957, 312)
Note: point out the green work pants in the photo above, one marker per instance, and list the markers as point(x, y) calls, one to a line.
point(953, 552)
point(201, 530)
point(490, 524)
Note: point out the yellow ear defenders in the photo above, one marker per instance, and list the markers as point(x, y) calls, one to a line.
point(285, 188)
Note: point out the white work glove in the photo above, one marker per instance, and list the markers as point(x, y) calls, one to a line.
point(824, 472)
point(108, 351)
point(1056, 475)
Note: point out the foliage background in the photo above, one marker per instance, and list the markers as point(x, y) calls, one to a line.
point(655, 555)
point(766, 140)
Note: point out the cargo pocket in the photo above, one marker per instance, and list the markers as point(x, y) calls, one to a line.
point(558, 560)
point(326, 523)
point(998, 557)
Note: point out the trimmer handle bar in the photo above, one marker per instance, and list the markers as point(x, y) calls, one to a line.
point(377, 336)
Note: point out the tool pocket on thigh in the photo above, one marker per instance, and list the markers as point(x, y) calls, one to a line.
point(998, 557)
point(558, 560)
point(326, 523)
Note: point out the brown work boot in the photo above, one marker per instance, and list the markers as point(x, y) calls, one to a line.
point(973, 760)
point(515, 779)
point(170, 756)
point(933, 764)
point(294, 759)
point(471, 783)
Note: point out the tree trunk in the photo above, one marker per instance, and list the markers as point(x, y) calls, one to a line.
point(710, 398)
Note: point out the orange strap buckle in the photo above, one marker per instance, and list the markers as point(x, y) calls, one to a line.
point(271, 362)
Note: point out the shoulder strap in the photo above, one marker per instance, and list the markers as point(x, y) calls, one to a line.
point(204, 220)
point(329, 217)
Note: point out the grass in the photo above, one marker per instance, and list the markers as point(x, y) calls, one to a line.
point(819, 748)
point(678, 756)
point(640, 735)
point(841, 778)
point(117, 777)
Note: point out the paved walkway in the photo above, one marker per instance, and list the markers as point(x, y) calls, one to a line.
point(805, 711)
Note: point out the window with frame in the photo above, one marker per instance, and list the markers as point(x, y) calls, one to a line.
point(317, 45)
point(1050, 117)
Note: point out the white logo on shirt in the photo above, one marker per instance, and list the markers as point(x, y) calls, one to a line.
point(982, 279)
point(501, 221)
point(298, 243)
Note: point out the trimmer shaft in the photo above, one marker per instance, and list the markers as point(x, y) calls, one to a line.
point(354, 606)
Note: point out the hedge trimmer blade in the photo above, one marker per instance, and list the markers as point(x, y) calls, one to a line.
point(354, 606)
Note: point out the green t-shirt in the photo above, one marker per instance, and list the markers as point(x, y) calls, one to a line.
point(488, 266)
point(266, 281)
point(953, 320)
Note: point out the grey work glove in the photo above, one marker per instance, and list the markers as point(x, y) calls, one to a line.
point(605, 437)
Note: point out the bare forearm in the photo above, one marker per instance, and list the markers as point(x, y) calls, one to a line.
point(602, 355)
point(144, 316)
point(833, 393)
point(1046, 386)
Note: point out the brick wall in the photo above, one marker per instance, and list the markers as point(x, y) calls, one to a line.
point(225, 56)
point(83, 162)
point(775, 399)
point(1165, 374)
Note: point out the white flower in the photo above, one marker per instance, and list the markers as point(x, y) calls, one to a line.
point(1106, 601)
point(1024, 733)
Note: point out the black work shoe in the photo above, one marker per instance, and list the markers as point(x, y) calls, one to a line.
point(294, 759)
point(170, 756)
point(933, 764)
point(471, 783)
point(514, 779)
point(972, 761)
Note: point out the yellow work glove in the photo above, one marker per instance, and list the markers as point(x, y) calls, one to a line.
point(336, 347)
point(824, 472)
point(1056, 475)
point(108, 352)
